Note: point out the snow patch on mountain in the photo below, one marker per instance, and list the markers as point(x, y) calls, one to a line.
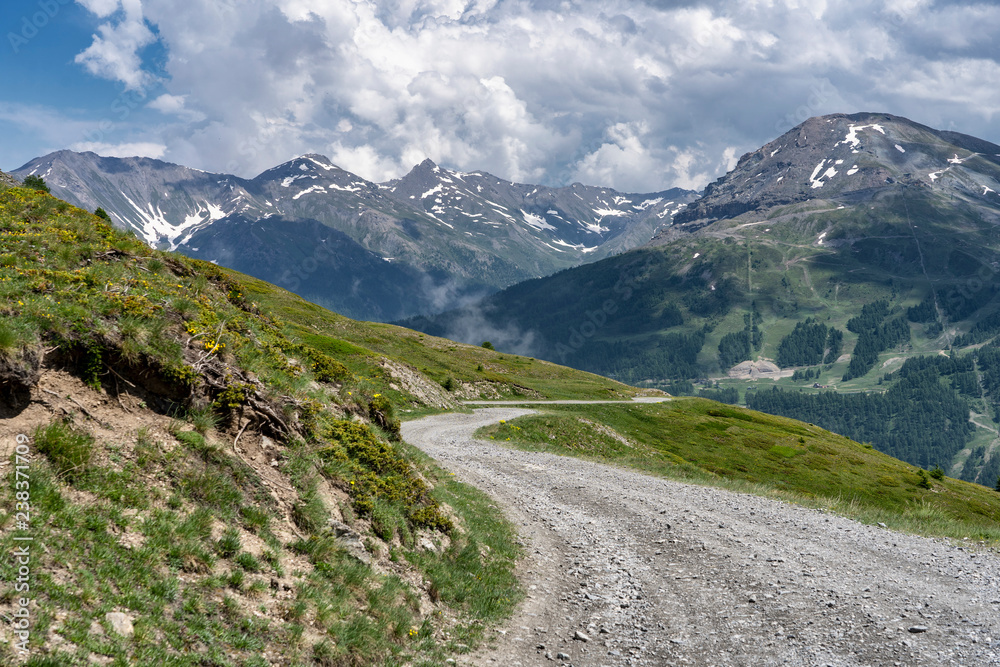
point(536, 221)
point(649, 202)
point(353, 187)
point(437, 188)
point(288, 180)
point(852, 134)
point(311, 188)
point(817, 182)
point(603, 212)
point(575, 246)
point(328, 167)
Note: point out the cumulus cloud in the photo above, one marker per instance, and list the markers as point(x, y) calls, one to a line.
point(114, 53)
point(636, 95)
point(132, 149)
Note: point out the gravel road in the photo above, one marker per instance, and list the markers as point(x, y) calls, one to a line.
point(627, 569)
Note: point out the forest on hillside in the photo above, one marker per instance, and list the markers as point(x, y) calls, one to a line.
point(922, 418)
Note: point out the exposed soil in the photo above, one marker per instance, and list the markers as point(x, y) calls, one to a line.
point(627, 569)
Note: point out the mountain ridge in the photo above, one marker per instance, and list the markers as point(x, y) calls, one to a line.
point(851, 244)
point(875, 160)
point(462, 233)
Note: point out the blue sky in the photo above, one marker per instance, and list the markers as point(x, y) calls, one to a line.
point(636, 95)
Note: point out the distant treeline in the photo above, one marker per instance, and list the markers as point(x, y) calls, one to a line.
point(921, 418)
point(739, 345)
point(809, 344)
point(875, 335)
point(672, 355)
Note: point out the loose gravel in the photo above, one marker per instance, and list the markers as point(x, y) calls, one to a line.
point(627, 569)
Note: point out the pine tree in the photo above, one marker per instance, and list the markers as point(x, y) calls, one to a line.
point(36, 183)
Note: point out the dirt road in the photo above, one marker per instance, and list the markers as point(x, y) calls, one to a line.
point(626, 569)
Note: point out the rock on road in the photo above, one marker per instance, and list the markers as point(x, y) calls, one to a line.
point(623, 568)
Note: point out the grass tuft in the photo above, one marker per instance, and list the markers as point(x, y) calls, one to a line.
point(70, 449)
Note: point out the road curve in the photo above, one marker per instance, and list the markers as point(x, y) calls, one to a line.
point(653, 572)
point(572, 401)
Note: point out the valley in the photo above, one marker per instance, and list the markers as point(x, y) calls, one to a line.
point(811, 229)
point(248, 471)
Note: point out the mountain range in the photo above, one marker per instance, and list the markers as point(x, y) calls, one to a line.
point(431, 240)
point(852, 259)
point(829, 258)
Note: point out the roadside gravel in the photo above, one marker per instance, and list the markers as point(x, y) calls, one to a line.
point(628, 569)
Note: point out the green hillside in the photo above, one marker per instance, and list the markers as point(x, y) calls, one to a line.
point(685, 312)
point(703, 441)
point(222, 473)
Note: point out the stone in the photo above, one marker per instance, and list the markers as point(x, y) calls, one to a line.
point(120, 623)
point(579, 636)
point(562, 656)
point(916, 629)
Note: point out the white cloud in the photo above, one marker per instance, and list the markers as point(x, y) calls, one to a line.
point(133, 149)
point(101, 8)
point(638, 96)
point(175, 105)
point(114, 53)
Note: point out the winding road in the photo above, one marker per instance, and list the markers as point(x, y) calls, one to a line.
point(623, 568)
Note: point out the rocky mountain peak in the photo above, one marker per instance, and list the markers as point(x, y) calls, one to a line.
point(849, 157)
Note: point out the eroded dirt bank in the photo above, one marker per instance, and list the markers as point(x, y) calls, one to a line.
point(626, 569)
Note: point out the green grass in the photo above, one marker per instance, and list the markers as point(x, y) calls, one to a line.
point(69, 449)
point(218, 348)
point(358, 345)
point(709, 443)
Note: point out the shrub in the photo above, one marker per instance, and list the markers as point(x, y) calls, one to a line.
point(68, 448)
point(36, 183)
point(923, 482)
point(488, 345)
point(449, 383)
point(101, 213)
point(937, 473)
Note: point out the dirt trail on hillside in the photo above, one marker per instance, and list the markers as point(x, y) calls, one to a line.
point(627, 569)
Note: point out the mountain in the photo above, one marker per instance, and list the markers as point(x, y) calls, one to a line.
point(216, 461)
point(219, 463)
point(832, 256)
point(452, 236)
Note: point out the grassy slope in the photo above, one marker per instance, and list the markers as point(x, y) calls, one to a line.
point(77, 295)
point(360, 344)
point(707, 442)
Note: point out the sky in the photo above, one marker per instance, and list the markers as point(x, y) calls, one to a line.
point(636, 95)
